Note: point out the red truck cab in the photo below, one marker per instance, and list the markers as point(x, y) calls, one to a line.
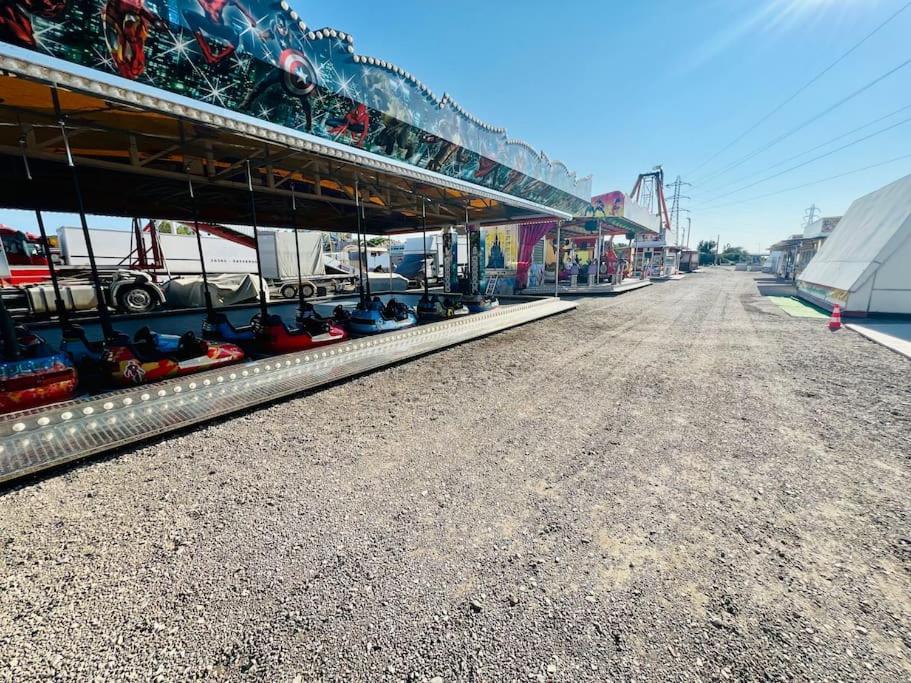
point(25, 256)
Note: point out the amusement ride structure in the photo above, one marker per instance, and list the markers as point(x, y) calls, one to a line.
point(179, 113)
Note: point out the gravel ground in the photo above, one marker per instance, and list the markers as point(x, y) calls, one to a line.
point(681, 483)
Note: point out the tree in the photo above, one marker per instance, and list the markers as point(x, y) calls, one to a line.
point(733, 254)
point(378, 242)
point(707, 252)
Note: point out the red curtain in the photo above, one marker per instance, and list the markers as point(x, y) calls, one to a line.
point(529, 235)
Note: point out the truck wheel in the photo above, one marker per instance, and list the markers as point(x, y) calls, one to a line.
point(136, 299)
point(308, 290)
point(288, 291)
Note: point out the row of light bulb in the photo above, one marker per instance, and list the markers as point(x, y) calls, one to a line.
point(441, 102)
point(92, 424)
point(155, 103)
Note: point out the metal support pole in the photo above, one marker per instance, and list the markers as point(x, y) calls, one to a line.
point(62, 312)
point(361, 251)
point(210, 307)
point(263, 307)
point(600, 254)
point(424, 240)
point(389, 256)
point(557, 268)
point(297, 251)
point(104, 314)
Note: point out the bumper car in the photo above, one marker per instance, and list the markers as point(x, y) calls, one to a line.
point(148, 357)
point(35, 374)
point(480, 303)
point(217, 327)
point(436, 308)
point(274, 336)
point(373, 317)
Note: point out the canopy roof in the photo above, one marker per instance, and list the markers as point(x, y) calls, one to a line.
point(257, 60)
point(613, 213)
point(134, 158)
point(871, 234)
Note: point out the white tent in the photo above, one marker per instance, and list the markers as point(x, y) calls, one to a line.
point(865, 264)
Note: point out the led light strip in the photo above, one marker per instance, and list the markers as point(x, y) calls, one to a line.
point(37, 439)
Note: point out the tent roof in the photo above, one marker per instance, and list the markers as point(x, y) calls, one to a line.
point(870, 231)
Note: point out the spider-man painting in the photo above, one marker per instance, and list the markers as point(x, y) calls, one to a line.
point(355, 125)
point(212, 23)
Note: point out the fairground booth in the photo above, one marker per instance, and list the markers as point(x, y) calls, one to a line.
point(595, 250)
point(210, 112)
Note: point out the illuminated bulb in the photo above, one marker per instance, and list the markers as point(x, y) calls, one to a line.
point(219, 379)
point(42, 421)
point(178, 389)
point(88, 410)
point(192, 385)
point(108, 405)
point(206, 382)
point(67, 416)
point(18, 427)
point(145, 397)
point(49, 436)
point(233, 375)
point(25, 442)
point(162, 393)
point(127, 401)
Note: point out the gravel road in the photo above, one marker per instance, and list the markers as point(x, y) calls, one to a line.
point(681, 483)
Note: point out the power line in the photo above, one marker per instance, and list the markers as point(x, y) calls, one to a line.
point(806, 85)
point(837, 138)
point(810, 161)
point(814, 182)
point(809, 121)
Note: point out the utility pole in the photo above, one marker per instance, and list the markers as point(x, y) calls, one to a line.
point(677, 186)
point(689, 226)
point(718, 250)
point(811, 214)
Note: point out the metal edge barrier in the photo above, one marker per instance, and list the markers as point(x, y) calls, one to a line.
point(41, 438)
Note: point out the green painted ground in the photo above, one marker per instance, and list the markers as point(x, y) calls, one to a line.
point(797, 308)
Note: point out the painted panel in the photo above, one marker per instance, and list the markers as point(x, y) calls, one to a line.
point(256, 57)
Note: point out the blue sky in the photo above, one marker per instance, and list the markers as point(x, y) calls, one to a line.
point(613, 88)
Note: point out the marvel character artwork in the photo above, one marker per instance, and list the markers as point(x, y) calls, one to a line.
point(213, 24)
point(257, 57)
point(126, 29)
point(297, 78)
point(397, 138)
point(355, 125)
point(16, 18)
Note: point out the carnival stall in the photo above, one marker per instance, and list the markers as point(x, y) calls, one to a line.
point(577, 256)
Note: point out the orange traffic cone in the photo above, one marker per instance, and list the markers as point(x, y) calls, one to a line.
point(835, 321)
